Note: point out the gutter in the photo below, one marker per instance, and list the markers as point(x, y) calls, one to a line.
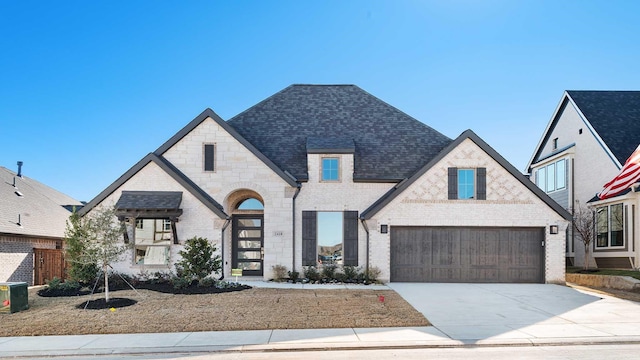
point(293, 226)
point(366, 229)
point(224, 227)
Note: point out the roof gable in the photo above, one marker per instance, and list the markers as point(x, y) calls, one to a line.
point(389, 144)
point(468, 134)
point(172, 171)
point(615, 116)
point(208, 113)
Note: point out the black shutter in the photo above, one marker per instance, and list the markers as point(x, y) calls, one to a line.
point(209, 157)
point(350, 238)
point(309, 235)
point(125, 232)
point(453, 183)
point(174, 231)
point(481, 174)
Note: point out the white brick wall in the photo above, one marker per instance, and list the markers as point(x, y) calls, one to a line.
point(336, 196)
point(509, 204)
point(592, 167)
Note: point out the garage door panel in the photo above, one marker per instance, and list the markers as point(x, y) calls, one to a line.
point(466, 254)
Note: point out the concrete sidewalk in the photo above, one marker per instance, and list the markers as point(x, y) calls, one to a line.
point(462, 314)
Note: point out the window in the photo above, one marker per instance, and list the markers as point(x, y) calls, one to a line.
point(555, 143)
point(153, 238)
point(552, 177)
point(329, 238)
point(610, 226)
point(209, 157)
point(466, 183)
point(250, 204)
point(330, 169)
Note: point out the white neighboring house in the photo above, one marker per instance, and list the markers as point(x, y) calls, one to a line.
point(585, 144)
point(329, 174)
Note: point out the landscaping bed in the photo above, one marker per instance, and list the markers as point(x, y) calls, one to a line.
point(249, 309)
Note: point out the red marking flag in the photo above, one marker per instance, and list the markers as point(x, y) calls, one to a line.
point(629, 174)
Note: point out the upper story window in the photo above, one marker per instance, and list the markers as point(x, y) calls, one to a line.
point(467, 184)
point(555, 144)
point(330, 169)
point(209, 157)
point(610, 226)
point(552, 177)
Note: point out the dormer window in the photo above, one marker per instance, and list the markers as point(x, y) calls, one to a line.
point(330, 169)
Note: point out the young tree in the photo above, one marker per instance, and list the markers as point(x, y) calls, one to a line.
point(197, 260)
point(584, 225)
point(75, 247)
point(97, 239)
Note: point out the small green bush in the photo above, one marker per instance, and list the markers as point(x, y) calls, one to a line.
point(57, 284)
point(294, 276)
point(311, 273)
point(329, 271)
point(198, 260)
point(350, 273)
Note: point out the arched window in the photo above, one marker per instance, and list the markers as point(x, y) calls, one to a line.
point(250, 204)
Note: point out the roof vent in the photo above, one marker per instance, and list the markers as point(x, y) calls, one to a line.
point(19, 221)
point(20, 168)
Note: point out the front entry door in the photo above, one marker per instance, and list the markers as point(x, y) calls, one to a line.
point(248, 244)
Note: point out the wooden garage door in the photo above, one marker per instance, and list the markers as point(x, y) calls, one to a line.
point(467, 254)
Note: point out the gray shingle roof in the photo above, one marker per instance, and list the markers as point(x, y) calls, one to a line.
point(389, 144)
point(615, 115)
point(41, 208)
point(323, 145)
point(149, 200)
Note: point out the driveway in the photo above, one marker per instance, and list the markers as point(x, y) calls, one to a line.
point(499, 312)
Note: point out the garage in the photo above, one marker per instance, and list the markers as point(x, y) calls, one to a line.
point(467, 254)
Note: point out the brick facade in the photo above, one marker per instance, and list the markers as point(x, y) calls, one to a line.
point(16, 253)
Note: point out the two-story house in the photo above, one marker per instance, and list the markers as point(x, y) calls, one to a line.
point(329, 174)
point(588, 139)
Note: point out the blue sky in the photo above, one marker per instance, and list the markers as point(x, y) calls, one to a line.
point(88, 88)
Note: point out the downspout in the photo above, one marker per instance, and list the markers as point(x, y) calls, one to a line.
point(224, 227)
point(293, 216)
point(366, 266)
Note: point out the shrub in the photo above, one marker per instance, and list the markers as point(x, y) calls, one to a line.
point(294, 276)
point(371, 275)
point(57, 284)
point(180, 282)
point(311, 273)
point(198, 260)
point(279, 272)
point(350, 273)
point(207, 282)
point(329, 271)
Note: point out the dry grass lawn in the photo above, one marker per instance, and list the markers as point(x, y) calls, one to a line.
point(254, 309)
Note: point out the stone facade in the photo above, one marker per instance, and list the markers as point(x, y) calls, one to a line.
point(508, 204)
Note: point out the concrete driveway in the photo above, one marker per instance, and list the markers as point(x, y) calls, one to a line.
point(476, 313)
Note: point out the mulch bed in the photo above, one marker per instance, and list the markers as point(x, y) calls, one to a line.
point(100, 304)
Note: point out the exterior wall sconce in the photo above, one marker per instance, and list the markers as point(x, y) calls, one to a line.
point(553, 229)
point(384, 229)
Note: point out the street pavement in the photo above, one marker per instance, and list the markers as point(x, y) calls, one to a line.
point(461, 314)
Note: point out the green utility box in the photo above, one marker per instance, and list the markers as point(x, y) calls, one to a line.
point(13, 297)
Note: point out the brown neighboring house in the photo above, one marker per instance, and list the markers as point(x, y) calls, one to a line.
point(32, 225)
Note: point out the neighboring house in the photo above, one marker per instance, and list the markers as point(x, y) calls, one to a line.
point(585, 144)
point(329, 174)
point(32, 225)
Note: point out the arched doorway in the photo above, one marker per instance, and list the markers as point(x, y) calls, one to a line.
point(247, 249)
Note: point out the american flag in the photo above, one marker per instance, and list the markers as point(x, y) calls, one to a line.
point(629, 174)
